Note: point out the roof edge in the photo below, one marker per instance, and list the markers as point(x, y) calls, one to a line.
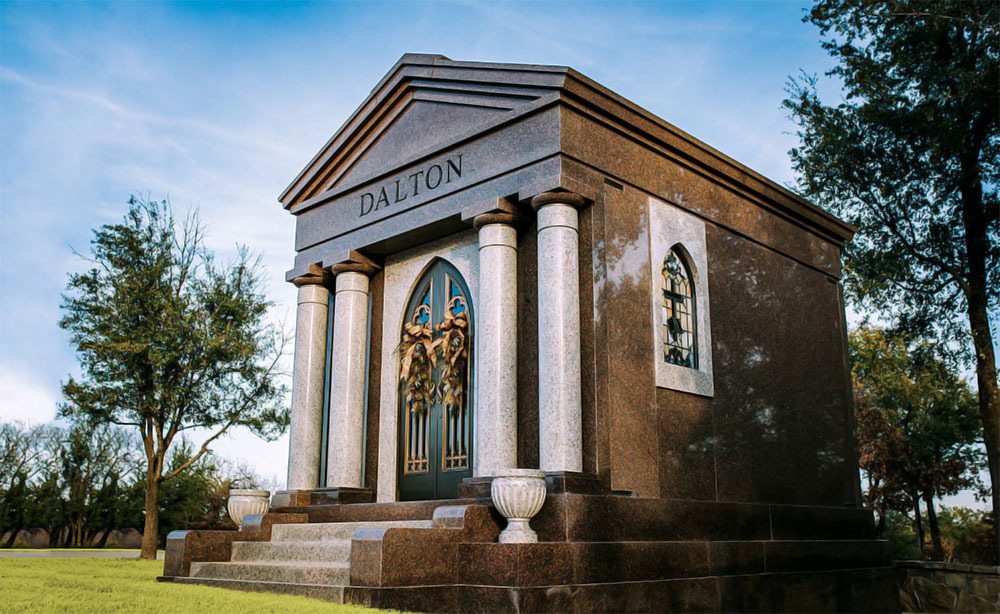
point(413, 62)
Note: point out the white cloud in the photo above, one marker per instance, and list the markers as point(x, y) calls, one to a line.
point(25, 399)
point(269, 459)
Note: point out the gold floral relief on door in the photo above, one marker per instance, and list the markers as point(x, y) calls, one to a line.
point(435, 386)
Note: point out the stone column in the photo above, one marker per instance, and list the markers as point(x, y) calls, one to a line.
point(305, 439)
point(560, 437)
point(496, 353)
point(346, 446)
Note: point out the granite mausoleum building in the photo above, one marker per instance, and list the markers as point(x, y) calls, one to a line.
point(509, 266)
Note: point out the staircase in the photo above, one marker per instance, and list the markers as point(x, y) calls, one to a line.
point(311, 559)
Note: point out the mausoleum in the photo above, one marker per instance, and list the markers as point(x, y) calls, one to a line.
point(509, 267)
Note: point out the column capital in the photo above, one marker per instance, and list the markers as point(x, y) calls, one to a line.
point(498, 217)
point(499, 210)
point(316, 275)
point(356, 262)
point(558, 198)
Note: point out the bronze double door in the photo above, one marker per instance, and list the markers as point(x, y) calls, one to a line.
point(435, 393)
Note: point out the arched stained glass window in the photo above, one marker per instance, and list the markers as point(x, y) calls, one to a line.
point(679, 334)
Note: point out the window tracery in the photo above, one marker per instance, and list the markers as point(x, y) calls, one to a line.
point(678, 311)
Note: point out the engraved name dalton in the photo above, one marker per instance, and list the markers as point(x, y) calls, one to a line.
point(425, 180)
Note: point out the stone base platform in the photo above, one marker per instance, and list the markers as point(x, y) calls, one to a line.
point(597, 552)
point(867, 590)
point(321, 496)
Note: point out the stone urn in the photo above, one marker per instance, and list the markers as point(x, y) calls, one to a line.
point(518, 495)
point(244, 503)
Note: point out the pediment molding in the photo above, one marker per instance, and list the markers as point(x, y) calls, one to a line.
point(476, 98)
point(473, 98)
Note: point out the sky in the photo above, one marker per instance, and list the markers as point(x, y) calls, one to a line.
point(219, 105)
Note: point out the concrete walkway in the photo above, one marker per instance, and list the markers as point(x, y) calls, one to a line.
point(102, 554)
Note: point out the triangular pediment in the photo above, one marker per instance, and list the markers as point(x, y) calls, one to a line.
point(423, 105)
point(420, 125)
point(428, 106)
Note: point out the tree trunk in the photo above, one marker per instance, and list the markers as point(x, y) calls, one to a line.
point(13, 535)
point(152, 526)
point(989, 401)
point(880, 527)
point(99, 543)
point(937, 552)
point(918, 525)
point(976, 220)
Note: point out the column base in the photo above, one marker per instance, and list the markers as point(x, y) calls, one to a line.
point(321, 496)
point(556, 482)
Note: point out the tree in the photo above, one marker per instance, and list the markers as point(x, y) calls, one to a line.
point(918, 427)
point(968, 535)
point(49, 506)
point(93, 457)
point(911, 157)
point(26, 450)
point(110, 507)
point(25, 455)
point(169, 341)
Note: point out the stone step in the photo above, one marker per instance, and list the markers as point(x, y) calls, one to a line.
point(329, 551)
point(324, 531)
point(315, 591)
point(294, 572)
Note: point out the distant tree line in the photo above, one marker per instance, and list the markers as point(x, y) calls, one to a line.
point(920, 439)
point(81, 483)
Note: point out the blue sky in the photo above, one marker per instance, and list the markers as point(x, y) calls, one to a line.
point(218, 106)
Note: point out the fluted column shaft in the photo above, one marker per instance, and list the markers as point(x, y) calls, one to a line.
point(345, 455)
point(496, 355)
point(560, 421)
point(309, 366)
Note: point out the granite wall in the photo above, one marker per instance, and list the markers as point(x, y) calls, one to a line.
point(779, 426)
point(948, 587)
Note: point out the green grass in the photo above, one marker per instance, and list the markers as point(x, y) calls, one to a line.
point(99, 586)
point(20, 549)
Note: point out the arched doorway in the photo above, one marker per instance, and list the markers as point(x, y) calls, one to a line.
point(435, 386)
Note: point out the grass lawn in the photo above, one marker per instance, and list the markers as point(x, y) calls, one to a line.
point(136, 550)
point(99, 586)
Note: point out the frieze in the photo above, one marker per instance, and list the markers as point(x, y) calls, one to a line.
point(427, 179)
point(382, 212)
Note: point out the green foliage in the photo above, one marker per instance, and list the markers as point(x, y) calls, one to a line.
point(968, 535)
point(125, 586)
point(197, 497)
point(92, 459)
point(918, 423)
point(911, 157)
point(901, 537)
point(915, 143)
point(91, 482)
point(169, 340)
point(919, 434)
point(14, 506)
